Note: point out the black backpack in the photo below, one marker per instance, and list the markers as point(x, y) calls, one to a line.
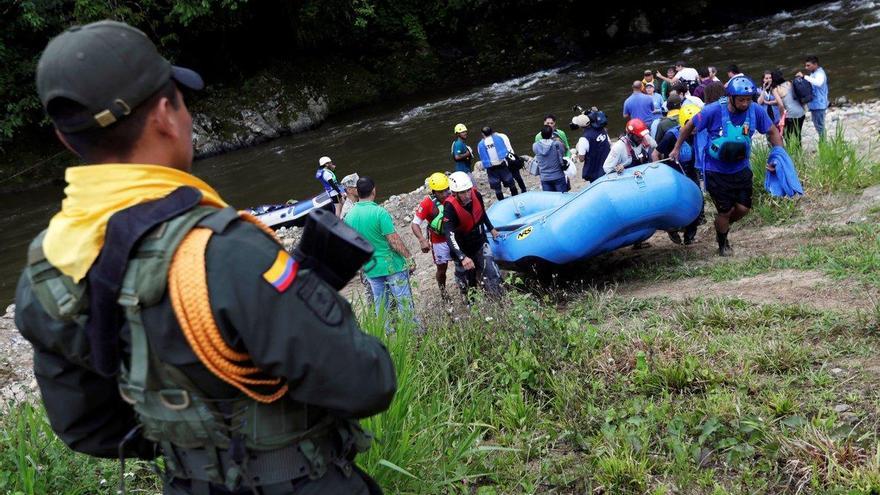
point(803, 90)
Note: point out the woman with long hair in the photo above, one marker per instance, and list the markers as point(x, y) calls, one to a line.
point(794, 111)
point(769, 97)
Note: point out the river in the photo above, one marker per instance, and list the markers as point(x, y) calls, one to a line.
point(399, 143)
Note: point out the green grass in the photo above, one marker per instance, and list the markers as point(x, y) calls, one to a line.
point(34, 461)
point(837, 165)
point(567, 393)
point(842, 252)
point(606, 396)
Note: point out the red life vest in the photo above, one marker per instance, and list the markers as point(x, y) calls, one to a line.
point(466, 221)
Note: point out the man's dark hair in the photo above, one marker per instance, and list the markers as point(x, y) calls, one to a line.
point(680, 87)
point(680, 63)
point(550, 116)
point(546, 132)
point(117, 140)
point(365, 186)
point(733, 68)
point(703, 72)
point(812, 59)
point(487, 131)
point(713, 92)
point(670, 69)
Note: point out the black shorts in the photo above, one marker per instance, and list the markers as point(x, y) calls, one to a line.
point(335, 199)
point(727, 190)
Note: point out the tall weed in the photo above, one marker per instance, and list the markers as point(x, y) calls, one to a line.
point(839, 166)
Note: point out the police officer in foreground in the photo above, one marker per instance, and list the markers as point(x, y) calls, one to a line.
point(163, 323)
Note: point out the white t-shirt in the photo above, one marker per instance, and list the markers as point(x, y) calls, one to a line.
point(619, 154)
point(346, 207)
point(731, 77)
point(583, 147)
point(689, 98)
point(687, 74)
point(493, 153)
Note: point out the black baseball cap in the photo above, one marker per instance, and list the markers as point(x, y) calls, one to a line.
point(109, 68)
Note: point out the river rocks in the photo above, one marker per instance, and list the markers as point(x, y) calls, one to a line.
point(220, 125)
point(858, 121)
point(16, 372)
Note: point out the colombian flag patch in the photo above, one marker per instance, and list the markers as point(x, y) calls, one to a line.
point(282, 273)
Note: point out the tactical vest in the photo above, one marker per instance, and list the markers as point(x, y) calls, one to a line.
point(232, 442)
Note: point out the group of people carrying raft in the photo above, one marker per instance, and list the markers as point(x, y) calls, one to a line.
point(709, 142)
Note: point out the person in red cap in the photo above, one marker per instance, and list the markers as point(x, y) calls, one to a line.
point(633, 148)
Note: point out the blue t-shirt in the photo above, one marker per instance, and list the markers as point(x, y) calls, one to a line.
point(640, 106)
point(459, 147)
point(710, 119)
point(658, 105)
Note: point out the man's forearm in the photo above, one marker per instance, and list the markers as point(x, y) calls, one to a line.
point(685, 133)
point(774, 136)
point(417, 230)
point(397, 245)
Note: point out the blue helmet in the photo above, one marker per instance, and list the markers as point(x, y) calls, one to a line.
point(598, 119)
point(741, 86)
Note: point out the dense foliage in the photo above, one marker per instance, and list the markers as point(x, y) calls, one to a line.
point(405, 45)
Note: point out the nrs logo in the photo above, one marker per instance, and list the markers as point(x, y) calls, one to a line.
point(524, 233)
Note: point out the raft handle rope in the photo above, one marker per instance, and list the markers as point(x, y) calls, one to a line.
point(188, 290)
point(613, 178)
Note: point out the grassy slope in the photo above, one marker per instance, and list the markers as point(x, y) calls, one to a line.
point(596, 392)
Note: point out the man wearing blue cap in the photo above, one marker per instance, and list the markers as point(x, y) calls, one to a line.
point(162, 322)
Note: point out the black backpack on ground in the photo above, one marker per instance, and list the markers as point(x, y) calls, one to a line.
point(803, 90)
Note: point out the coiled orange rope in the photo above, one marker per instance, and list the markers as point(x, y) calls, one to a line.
point(188, 290)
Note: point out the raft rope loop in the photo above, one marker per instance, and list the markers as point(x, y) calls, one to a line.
point(589, 187)
point(190, 298)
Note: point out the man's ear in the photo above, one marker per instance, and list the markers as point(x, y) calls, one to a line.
point(65, 143)
point(163, 118)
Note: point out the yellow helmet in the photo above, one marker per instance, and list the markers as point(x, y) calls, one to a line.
point(438, 182)
point(459, 128)
point(686, 113)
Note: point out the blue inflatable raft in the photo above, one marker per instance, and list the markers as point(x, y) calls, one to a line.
point(614, 211)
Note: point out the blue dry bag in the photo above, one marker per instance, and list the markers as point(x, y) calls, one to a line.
point(735, 142)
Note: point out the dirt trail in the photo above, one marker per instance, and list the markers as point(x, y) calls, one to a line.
point(806, 287)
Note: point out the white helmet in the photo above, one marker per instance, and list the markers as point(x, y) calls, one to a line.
point(459, 182)
point(580, 120)
point(324, 161)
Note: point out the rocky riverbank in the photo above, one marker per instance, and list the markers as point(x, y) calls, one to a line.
point(859, 123)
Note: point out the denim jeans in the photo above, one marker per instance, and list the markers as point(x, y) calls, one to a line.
point(819, 121)
point(393, 291)
point(485, 271)
point(559, 185)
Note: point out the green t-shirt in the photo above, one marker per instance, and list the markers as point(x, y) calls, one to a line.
point(374, 223)
point(562, 137)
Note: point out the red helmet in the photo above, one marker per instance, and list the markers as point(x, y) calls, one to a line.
point(637, 128)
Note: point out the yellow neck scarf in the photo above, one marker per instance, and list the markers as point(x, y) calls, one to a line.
point(93, 194)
